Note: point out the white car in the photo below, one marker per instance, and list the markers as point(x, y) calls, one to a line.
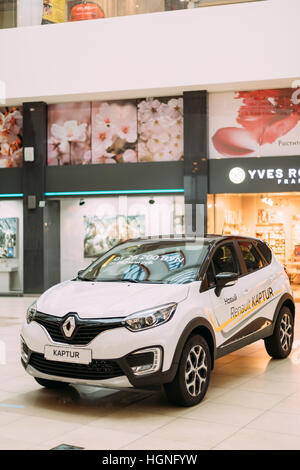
point(160, 311)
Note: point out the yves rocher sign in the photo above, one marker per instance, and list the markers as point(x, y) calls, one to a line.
point(254, 175)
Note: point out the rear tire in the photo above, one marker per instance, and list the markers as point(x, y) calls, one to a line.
point(192, 379)
point(51, 384)
point(279, 345)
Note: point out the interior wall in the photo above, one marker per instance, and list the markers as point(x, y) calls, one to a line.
point(159, 221)
point(162, 51)
point(14, 208)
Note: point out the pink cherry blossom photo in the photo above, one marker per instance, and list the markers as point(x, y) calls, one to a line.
point(69, 131)
point(11, 135)
point(114, 132)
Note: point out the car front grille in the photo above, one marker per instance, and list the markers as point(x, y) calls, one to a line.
point(97, 370)
point(85, 332)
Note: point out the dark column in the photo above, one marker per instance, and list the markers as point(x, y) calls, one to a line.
point(51, 244)
point(195, 160)
point(35, 136)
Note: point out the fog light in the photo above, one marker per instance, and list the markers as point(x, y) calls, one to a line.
point(150, 368)
point(24, 351)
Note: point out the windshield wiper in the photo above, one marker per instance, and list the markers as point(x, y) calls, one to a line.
point(130, 281)
point(140, 282)
point(133, 281)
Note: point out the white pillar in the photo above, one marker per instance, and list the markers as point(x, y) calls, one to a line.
point(30, 12)
point(2, 353)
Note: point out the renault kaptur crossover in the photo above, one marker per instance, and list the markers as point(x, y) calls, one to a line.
point(159, 312)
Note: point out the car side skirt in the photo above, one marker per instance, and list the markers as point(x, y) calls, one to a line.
point(246, 337)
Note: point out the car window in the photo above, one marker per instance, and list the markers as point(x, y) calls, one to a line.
point(225, 260)
point(265, 250)
point(251, 257)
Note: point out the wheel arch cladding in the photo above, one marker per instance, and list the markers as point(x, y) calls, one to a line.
point(207, 335)
point(290, 304)
point(285, 301)
point(197, 326)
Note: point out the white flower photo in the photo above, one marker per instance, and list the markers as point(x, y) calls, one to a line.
point(160, 129)
point(114, 132)
point(69, 134)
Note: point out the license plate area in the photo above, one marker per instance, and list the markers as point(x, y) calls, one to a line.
point(67, 354)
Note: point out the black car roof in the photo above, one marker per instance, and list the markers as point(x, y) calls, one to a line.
point(212, 238)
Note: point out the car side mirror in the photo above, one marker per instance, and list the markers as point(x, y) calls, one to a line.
point(225, 280)
point(80, 272)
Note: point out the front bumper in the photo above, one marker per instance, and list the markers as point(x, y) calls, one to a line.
point(117, 383)
point(116, 374)
point(115, 345)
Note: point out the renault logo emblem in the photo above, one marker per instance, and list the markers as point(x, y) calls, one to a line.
point(69, 327)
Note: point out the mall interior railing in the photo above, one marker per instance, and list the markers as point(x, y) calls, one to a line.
point(17, 13)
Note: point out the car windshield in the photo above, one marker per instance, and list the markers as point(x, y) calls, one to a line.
point(167, 262)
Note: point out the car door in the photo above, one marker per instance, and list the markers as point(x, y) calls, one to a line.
point(231, 303)
point(260, 281)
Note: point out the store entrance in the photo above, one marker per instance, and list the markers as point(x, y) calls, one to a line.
point(272, 217)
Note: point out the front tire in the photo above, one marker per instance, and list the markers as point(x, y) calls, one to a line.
point(192, 379)
point(280, 344)
point(51, 384)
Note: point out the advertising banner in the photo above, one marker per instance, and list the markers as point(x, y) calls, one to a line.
point(113, 132)
point(11, 137)
point(263, 123)
point(54, 11)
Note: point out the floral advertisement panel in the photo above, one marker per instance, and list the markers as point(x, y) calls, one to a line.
point(114, 132)
point(11, 136)
point(69, 134)
point(102, 233)
point(160, 129)
point(8, 237)
point(110, 132)
point(262, 123)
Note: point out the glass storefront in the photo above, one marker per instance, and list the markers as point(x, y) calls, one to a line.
point(90, 226)
point(272, 217)
point(15, 13)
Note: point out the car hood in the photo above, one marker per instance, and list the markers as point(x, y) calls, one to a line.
point(107, 299)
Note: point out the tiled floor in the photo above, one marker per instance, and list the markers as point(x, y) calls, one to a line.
point(253, 403)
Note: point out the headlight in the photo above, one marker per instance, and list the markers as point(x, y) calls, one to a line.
point(150, 318)
point(31, 312)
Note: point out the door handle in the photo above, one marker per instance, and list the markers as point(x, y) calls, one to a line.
point(246, 291)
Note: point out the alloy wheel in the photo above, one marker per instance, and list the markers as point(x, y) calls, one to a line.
point(286, 332)
point(196, 371)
